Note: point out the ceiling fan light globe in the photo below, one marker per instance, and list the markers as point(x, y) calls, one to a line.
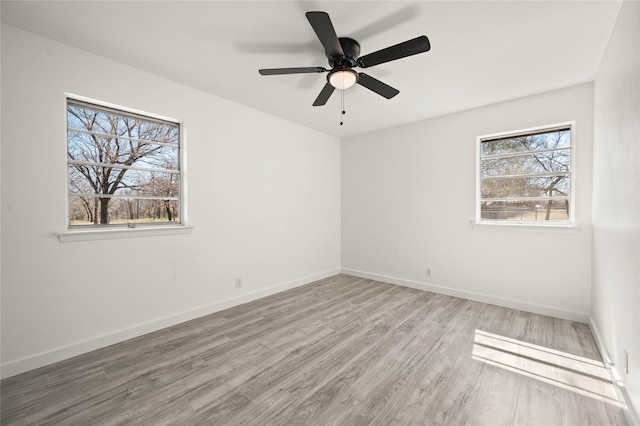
point(343, 79)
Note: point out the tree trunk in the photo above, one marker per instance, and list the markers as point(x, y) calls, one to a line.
point(87, 208)
point(104, 211)
point(95, 211)
point(550, 193)
point(167, 207)
point(548, 215)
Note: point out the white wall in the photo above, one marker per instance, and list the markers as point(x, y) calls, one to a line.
point(616, 199)
point(263, 195)
point(408, 196)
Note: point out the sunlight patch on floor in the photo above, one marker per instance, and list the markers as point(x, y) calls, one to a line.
point(567, 371)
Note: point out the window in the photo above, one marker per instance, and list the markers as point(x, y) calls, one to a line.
point(525, 177)
point(124, 168)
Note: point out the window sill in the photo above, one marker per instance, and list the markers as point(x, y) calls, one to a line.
point(111, 234)
point(525, 226)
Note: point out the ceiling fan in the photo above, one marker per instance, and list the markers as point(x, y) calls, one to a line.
point(344, 54)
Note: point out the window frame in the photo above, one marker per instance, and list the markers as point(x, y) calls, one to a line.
point(125, 230)
point(570, 223)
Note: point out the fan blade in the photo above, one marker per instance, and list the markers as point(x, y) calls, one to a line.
point(323, 27)
point(401, 50)
point(377, 86)
point(324, 95)
point(277, 71)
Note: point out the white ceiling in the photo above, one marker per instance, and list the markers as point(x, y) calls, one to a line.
point(482, 52)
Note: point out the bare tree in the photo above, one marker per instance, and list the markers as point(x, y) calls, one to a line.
point(536, 166)
point(103, 146)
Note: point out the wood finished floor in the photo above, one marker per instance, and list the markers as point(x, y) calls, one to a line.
point(342, 350)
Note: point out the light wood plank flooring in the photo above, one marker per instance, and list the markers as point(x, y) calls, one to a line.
point(342, 350)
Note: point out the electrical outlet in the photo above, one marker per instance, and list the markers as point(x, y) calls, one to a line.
point(625, 363)
point(428, 272)
point(238, 282)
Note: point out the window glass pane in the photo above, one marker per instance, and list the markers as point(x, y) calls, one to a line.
point(112, 150)
point(551, 186)
point(122, 182)
point(119, 167)
point(532, 211)
point(527, 176)
point(524, 143)
point(538, 163)
point(114, 123)
point(86, 211)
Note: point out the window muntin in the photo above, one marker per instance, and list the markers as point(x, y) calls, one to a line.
point(123, 168)
point(526, 176)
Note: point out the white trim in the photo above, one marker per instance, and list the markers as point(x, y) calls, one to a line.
point(523, 153)
point(527, 175)
point(529, 130)
point(124, 109)
point(184, 216)
point(127, 138)
point(94, 234)
point(478, 297)
point(507, 199)
point(630, 415)
point(124, 196)
point(514, 225)
point(124, 166)
point(78, 348)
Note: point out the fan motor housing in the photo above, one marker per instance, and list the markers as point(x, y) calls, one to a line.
point(351, 49)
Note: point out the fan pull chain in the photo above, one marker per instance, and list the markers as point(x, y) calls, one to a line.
point(342, 106)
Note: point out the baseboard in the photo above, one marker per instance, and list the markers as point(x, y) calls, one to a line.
point(29, 363)
point(631, 416)
point(478, 297)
